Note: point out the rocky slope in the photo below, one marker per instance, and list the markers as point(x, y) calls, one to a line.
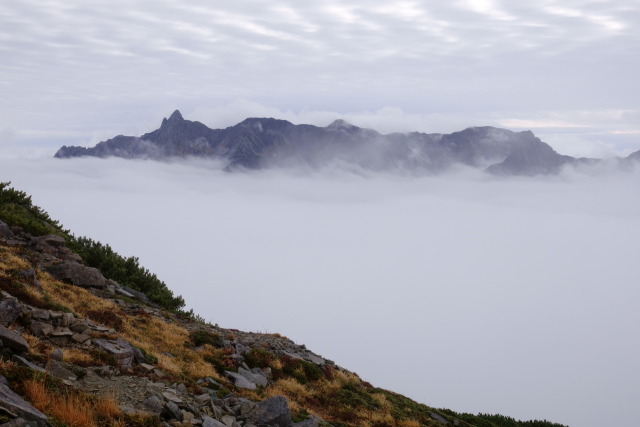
point(265, 142)
point(80, 349)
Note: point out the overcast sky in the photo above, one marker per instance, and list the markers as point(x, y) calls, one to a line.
point(77, 72)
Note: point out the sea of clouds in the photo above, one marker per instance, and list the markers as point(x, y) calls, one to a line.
point(480, 294)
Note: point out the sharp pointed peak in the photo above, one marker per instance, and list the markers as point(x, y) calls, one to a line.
point(176, 116)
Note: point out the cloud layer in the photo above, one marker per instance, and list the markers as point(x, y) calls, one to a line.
point(464, 291)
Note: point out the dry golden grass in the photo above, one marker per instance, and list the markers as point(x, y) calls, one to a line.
point(77, 356)
point(10, 261)
point(37, 346)
point(77, 299)
point(73, 409)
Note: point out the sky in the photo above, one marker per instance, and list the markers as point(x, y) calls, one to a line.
point(479, 294)
point(463, 291)
point(77, 72)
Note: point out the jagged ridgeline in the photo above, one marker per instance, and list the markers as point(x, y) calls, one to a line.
point(80, 350)
point(16, 208)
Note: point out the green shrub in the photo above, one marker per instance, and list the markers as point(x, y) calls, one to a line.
point(16, 208)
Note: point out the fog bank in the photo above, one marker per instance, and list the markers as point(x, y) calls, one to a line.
point(517, 296)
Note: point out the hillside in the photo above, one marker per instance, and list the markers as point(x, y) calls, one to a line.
point(92, 338)
point(258, 143)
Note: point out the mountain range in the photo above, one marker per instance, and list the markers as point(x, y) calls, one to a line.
point(258, 143)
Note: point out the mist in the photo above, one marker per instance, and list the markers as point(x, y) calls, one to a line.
point(480, 294)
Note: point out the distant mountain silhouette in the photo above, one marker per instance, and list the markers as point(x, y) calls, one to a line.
point(257, 143)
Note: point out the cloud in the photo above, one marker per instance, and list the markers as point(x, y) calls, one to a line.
point(498, 295)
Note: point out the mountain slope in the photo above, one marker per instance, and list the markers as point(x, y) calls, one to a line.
point(264, 142)
point(81, 349)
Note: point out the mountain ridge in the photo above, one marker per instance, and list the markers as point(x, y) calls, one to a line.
point(258, 143)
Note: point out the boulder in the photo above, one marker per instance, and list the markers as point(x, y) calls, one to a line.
point(56, 354)
point(256, 378)
point(210, 422)
point(76, 274)
point(271, 412)
point(171, 410)
point(17, 405)
point(5, 231)
point(9, 311)
point(41, 329)
point(153, 404)
point(24, 362)
point(59, 369)
point(121, 351)
point(13, 341)
point(241, 381)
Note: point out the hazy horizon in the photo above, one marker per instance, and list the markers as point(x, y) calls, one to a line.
point(466, 291)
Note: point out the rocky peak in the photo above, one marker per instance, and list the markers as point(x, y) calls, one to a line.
point(340, 124)
point(176, 117)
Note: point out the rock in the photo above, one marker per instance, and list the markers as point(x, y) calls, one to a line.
point(79, 327)
point(439, 418)
point(134, 293)
point(29, 275)
point(311, 422)
point(210, 422)
point(241, 381)
point(271, 412)
point(16, 422)
point(14, 403)
point(66, 320)
point(5, 231)
point(146, 367)
point(49, 240)
point(76, 274)
point(172, 411)
point(315, 359)
point(181, 388)
point(187, 417)
point(81, 338)
point(56, 354)
point(255, 378)
point(41, 329)
point(203, 399)
point(13, 341)
point(9, 311)
point(138, 355)
point(121, 291)
point(154, 404)
point(60, 331)
point(24, 362)
point(228, 420)
point(60, 370)
point(120, 349)
point(41, 314)
point(171, 397)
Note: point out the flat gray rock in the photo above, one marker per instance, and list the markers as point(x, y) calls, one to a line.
point(13, 341)
point(255, 378)
point(120, 349)
point(210, 422)
point(271, 412)
point(9, 311)
point(241, 381)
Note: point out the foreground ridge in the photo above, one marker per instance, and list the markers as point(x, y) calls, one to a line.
point(257, 143)
point(79, 348)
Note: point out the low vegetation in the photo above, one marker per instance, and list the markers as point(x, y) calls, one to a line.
point(16, 208)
